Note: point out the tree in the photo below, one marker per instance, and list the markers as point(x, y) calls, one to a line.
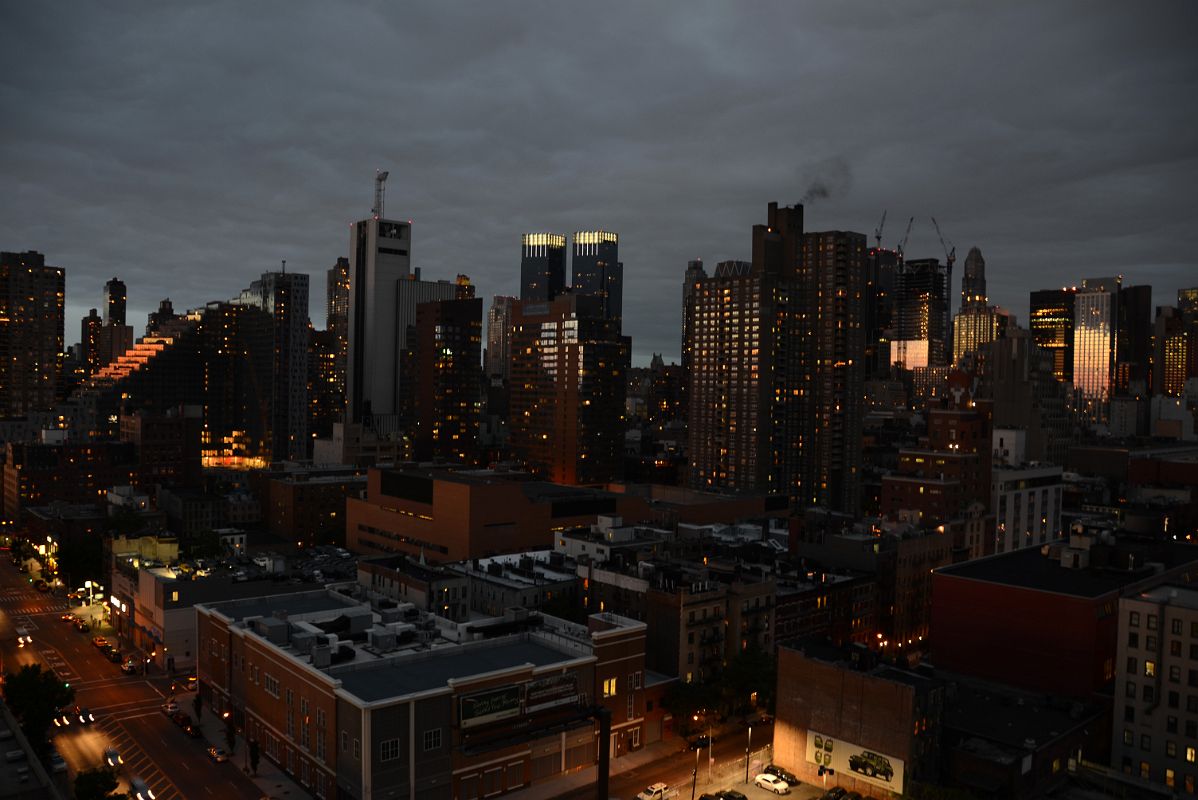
point(254, 756)
point(751, 672)
point(198, 704)
point(96, 784)
point(34, 695)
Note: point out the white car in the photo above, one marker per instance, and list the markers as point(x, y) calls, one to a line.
point(656, 791)
point(170, 707)
point(772, 783)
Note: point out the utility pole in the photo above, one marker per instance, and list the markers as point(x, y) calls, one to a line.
point(601, 785)
point(748, 749)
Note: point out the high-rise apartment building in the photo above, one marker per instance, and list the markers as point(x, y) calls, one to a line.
point(542, 267)
point(878, 319)
point(115, 298)
point(1175, 343)
point(32, 297)
point(826, 309)
point(447, 391)
point(568, 385)
point(284, 296)
point(1155, 734)
point(1133, 350)
point(597, 270)
point(921, 309)
point(777, 355)
point(89, 341)
point(1051, 320)
point(337, 316)
point(499, 336)
point(157, 320)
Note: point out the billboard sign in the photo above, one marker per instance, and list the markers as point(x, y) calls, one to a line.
point(878, 769)
point(557, 690)
point(493, 705)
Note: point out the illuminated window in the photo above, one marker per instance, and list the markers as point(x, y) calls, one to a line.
point(1150, 669)
point(609, 687)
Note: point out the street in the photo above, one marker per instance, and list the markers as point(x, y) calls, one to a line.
point(127, 709)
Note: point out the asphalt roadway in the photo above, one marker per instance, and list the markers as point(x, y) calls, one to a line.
point(127, 708)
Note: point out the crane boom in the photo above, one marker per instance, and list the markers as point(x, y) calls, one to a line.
point(878, 230)
point(903, 244)
point(950, 250)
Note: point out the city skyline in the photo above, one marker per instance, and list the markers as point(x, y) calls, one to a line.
point(1053, 186)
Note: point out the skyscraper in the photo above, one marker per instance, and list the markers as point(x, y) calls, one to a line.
point(156, 320)
point(337, 317)
point(1133, 350)
point(568, 385)
point(1096, 323)
point(542, 267)
point(776, 366)
point(499, 337)
point(32, 298)
point(284, 296)
point(976, 323)
point(1173, 336)
point(690, 285)
point(597, 270)
point(447, 350)
point(89, 341)
point(878, 309)
point(921, 309)
point(115, 298)
point(1051, 319)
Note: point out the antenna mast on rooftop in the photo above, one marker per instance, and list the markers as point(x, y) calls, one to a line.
point(380, 178)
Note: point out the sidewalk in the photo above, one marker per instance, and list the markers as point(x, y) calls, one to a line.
point(271, 780)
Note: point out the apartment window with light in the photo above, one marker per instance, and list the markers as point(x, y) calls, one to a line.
point(609, 687)
point(1149, 669)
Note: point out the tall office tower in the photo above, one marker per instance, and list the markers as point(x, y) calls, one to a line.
point(383, 294)
point(32, 299)
point(1171, 343)
point(326, 398)
point(542, 267)
point(921, 312)
point(877, 314)
point(499, 337)
point(448, 344)
point(1095, 334)
point(1187, 300)
point(827, 301)
point(284, 296)
point(115, 298)
point(89, 341)
point(337, 316)
point(1051, 320)
point(1133, 350)
point(597, 270)
point(569, 368)
point(976, 323)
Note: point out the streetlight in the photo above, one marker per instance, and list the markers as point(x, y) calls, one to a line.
point(748, 749)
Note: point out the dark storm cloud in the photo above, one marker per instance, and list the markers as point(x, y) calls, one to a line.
point(188, 149)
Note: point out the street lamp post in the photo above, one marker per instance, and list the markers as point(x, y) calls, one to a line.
point(748, 749)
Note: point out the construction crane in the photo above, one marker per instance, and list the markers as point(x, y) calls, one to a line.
point(878, 231)
point(903, 244)
point(380, 178)
point(950, 250)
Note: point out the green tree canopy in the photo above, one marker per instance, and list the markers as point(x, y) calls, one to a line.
point(96, 784)
point(34, 695)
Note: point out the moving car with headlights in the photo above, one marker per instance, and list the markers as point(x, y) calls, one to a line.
point(23, 637)
point(112, 757)
point(218, 754)
point(139, 791)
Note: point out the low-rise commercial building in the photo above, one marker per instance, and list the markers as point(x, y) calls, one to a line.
point(358, 702)
point(1027, 506)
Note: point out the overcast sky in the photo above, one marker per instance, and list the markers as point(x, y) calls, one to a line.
point(189, 149)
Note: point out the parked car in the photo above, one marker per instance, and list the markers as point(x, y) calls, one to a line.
point(193, 730)
point(68, 617)
point(181, 718)
point(139, 791)
point(41, 585)
point(783, 774)
point(114, 655)
point(700, 743)
point(218, 754)
point(872, 765)
point(835, 793)
point(129, 667)
point(82, 626)
point(112, 757)
point(732, 794)
point(170, 707)
point(656, 791)
point(771, 783)
point(100, 642)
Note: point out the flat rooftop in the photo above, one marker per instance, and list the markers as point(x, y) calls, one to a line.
point(1111, 567)
point(295, 604)
point(1174, 595)
point(434, 669)
point(1008, 717)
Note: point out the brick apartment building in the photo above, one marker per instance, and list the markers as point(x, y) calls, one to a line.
point(360, 703)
